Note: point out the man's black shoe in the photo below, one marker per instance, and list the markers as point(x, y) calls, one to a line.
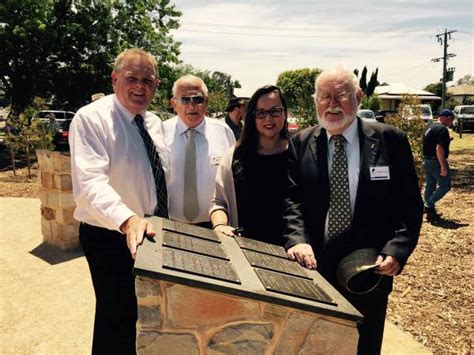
point(431, 214)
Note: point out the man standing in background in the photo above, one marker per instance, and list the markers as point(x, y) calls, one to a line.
point(235, 114)
point(436, 142)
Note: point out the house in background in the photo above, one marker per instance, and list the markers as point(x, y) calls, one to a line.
point(461, 92)
point(390, 95)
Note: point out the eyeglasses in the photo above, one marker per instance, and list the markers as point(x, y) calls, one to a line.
point(184, 100)
point(340, 97)
point(273, 112)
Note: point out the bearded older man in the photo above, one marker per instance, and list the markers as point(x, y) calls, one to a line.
point(381, 206)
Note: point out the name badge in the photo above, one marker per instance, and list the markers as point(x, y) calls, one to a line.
point(215, 160)
point(379, 173)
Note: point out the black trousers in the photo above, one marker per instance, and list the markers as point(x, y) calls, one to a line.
point(374, 308)
point(111, 265)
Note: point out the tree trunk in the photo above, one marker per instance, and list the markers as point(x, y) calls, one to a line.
point(13, 161)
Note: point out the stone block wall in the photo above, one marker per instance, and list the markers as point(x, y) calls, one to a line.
point(58, 226)
point(177, 319)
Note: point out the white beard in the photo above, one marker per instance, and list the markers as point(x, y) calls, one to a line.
point(335, 125)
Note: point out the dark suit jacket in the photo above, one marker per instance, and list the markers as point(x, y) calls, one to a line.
point(387, 214)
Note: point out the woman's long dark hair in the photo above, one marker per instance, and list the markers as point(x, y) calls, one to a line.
point(247, 146)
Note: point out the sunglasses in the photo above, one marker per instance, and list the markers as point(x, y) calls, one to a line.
point(184, 100)
point(273, 112)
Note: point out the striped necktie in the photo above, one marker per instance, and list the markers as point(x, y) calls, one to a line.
point(339, 199)
point(161, 208)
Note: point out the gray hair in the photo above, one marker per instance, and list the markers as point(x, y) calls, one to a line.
point(190, 80)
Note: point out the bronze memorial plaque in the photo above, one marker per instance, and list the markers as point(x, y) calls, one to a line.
point(194, 245)
point(199, 265)
point(189, 229)
point(251, 244)
point(275, 263)
point(293, 286)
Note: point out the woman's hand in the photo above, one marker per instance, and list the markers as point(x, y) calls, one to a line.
point(224, 230)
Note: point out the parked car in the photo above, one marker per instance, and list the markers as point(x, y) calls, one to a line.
point(464, 113)
point(425, 113)
point(61, 138)
point(367, 115)
point(383, 114)
point(292, 125)
point(61, 130)
point(44, 115)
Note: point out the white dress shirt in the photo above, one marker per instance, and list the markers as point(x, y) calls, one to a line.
point(352, 149)
point(212, 138)
point(111, 173)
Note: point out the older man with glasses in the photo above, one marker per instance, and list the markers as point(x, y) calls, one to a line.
point(197, 144)
point(353, 186)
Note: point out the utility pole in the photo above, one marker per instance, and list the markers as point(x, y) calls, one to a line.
point(447, 73)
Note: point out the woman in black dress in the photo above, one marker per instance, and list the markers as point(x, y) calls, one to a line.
point(251, 180)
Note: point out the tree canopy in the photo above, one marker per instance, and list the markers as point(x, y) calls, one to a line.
point(64, 49)
point(467, 79)
point(297, 87)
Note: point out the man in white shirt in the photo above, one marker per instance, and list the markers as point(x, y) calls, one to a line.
point(115, 185)
point(191, 184)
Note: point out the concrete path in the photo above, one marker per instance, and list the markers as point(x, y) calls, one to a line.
point(47, 299)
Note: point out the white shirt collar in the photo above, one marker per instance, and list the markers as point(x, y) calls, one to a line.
point(182, 127)
point(127, 115)
point(349, 133)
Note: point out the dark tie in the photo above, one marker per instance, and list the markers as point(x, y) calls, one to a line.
point(190, 203)
point(161, 208)
point(339, 200)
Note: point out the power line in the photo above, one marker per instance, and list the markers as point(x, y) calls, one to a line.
point(290, 36)
point(469, 33)
point(305, 29)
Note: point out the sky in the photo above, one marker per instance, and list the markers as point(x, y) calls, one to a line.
point(254, 41)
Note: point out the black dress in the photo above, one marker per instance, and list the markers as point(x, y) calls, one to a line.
point(260, 192)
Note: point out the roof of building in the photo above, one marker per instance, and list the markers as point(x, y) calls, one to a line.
point(397, 90)
point(461, 90)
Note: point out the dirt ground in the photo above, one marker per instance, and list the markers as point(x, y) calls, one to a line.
point(433, 298)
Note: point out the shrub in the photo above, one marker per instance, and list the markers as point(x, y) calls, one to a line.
point(413, 128)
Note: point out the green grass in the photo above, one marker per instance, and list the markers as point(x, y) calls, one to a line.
point(466, 142)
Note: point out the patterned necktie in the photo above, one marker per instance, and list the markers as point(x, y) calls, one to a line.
point(190, 203)
point(161, 208)
point(339, 198)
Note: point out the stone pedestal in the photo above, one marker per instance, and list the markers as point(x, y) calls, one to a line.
point(198, 294)
point(58, 226)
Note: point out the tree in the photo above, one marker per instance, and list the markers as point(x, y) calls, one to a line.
point(63, 50)
point(363, 80)
point(437, 89)
point(373, 83)
point(466, 80)
point(414, 129)
point(24, 136)
point(367, 88)
point(297, 87)
point(371, 103)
